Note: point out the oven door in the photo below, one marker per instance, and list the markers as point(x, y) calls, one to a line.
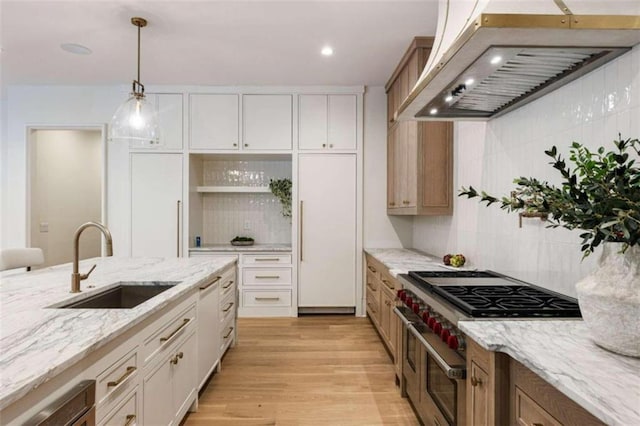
point(411, 362)
point(442, 379)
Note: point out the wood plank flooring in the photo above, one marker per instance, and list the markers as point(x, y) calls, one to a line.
point(319, 370)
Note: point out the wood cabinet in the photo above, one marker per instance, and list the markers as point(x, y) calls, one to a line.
point(327, 232)
point(215, 123)
point(170, 118)
point(381, 290)
point(419, 154)
point(327, 122)
point(267, 122)
point(156, 204)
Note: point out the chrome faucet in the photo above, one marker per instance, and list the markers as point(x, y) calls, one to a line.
point(76, 277)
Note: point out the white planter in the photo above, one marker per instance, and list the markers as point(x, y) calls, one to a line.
point(609, 300)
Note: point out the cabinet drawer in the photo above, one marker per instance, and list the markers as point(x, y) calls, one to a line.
point(373, 308)
point(124, 414)
point(373, 286)
point(117, 379)
point(227, 333)
point(227, 286)
point(169, 334)
point(266, 259)
point(227, 308)
point(528, 412)
point(388, 281)
point(266, 298)
point(266, 276)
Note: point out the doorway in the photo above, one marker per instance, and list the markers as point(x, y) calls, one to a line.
point(66, 189)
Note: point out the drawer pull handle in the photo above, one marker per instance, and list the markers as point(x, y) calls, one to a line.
point(274, 277)
point(229, 284)
point(176, 331)
point(388, 284)
point(131, 418)
point(371, 307)
point(206, 286)
point(475, 381)
point(372, 269)
point(267, 298)
point(229, 333)
point(122, 379)
point(372, 288)
point(228, 307)
point(267, 259)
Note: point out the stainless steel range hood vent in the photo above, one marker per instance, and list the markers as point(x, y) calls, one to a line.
point(501, 62)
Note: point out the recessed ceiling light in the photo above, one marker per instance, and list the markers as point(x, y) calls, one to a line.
point(496, 59)
point(469, 82)
point(77, 49)
point(433, 111)
point(327, 51)
point(448, 98)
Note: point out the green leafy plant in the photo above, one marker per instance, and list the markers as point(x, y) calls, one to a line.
point(600, 195)
point(281, 188)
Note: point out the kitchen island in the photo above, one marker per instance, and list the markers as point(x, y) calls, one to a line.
point(560, 352)
point(40, 342)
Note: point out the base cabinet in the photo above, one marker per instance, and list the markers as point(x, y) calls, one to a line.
point(208, 329)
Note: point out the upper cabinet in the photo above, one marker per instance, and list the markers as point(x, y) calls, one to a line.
point(267, 122)
point(419, 154)
point(169, 109)
point(214, 121)
point(327, 122)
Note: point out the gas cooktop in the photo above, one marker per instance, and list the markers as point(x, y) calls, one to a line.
point(486, 294)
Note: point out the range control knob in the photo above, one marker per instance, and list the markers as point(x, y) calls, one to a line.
point(416, 308)
point(431, 322)
point(425, 316)
point(455, 342)
point(445, 334)
point(437, 327)
point(402, 295)
point(408, 301)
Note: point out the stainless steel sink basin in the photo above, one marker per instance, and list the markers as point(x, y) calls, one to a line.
point(125, 295)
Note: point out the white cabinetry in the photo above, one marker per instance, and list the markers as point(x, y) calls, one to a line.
point(214, 122)
point(169, 109)
point(208, 329)
point(327, 122)
point(327, 248)
point(267, 122)
point(156, 204)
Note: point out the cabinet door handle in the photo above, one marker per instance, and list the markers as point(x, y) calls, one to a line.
point(392, 204)
point(131, 418)
point(475, 381)
point(229, 284)
point(267, 259)
point(264, 277)
point(235, 144)
point(406, 202)
point(174, 360)
point(122, 379)
point(209, 284)
point(301, 228)
point(178, 229)
point(324, 145)
point(175, 332)
point(267, 298)
point(371, 307)
point(226, 336)
point(246, 145)
point(180, 355)
point(229, 306)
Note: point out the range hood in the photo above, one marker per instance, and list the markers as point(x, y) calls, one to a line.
point(493, 56)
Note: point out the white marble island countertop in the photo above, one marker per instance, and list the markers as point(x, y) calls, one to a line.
point(38, 342)
point(560, 351)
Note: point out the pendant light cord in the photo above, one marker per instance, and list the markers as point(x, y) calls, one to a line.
point(138, 53)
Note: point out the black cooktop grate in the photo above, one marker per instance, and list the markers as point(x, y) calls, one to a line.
point(508, 301)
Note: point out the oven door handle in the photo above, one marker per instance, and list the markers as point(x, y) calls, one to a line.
point(451, 372)
point(400, 315)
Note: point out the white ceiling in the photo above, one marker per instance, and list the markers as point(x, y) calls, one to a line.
point(256, 42)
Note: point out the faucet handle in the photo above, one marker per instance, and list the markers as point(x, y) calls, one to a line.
point(85, 276)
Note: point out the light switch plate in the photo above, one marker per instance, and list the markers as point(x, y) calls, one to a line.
point(247, 225)
point(44, 226)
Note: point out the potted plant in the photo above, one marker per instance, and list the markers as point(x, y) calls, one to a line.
point(599, 195)
point(281, 188)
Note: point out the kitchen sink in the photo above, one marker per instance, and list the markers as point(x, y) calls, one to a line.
point(125, 295)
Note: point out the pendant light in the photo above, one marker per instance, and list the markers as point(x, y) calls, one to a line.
point(136, 120)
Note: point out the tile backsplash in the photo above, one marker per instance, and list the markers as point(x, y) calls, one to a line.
point(591, 110)
point(226, 214)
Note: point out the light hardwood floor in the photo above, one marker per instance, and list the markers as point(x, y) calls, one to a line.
point(320, 370)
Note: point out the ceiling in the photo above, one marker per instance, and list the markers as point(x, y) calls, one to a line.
point(257, 42)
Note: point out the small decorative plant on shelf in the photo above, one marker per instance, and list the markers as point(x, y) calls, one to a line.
point(600, 195)
point(281, 188)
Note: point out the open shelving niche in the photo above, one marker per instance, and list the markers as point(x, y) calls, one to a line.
point(217, 179)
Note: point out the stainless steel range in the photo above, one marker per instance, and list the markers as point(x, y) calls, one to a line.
point(433, 350)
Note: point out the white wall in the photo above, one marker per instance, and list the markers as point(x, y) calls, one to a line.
point(66, 191)
point(591, 110)
point(380, 230)
point(56, 105)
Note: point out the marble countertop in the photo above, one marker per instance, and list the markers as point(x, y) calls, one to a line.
point(38, 342)
point(605, 384)
point(229, 248)
point(560, 351)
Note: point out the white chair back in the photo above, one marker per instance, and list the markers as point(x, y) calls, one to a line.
point(20, 258)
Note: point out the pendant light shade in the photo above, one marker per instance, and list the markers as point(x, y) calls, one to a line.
point(136, 120)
